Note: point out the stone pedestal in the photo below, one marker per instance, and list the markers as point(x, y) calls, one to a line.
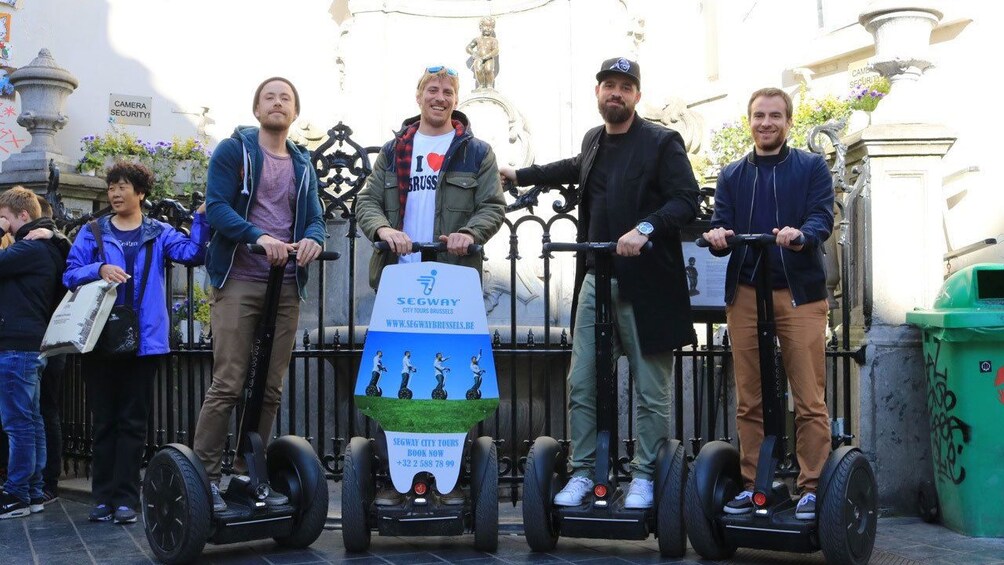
point(906, 244)
point(43, 87)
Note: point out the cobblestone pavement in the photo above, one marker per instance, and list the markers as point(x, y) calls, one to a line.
point(62, 535)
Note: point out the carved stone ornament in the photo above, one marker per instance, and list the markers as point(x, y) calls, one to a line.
point(675, 115)
point(496, 120)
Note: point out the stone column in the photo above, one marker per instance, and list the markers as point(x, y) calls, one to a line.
point(906, 243)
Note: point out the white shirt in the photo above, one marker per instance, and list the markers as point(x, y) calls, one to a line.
point(427, 155)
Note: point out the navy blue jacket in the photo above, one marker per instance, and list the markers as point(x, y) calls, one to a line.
point(84, 266)
point(30, 287)
point(803, 190)
point(234, 172)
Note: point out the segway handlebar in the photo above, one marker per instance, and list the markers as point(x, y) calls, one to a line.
point(324, 256)
point(749, 239)
point(597, 246)
point(436, 247)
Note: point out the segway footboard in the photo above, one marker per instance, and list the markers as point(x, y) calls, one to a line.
point(613, 522)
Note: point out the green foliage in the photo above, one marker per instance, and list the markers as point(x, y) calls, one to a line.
point(180, 310)
point(700, 163)
point(867, 93)
point(811, 113)
point(165, 159)
point(731, 141)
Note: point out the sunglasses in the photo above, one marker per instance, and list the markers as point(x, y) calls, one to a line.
point(438, 68)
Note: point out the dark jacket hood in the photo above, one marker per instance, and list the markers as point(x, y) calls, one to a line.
point(58, 239)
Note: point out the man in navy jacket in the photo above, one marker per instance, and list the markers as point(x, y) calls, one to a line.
point(787, 192)
point(261, 188)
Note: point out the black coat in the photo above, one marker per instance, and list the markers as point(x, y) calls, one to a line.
point(30, 286)
point(656, 184)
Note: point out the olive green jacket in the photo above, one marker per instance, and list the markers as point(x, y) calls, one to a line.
point(468, 198)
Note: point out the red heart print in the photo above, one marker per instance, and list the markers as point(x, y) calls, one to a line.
point(435, 161)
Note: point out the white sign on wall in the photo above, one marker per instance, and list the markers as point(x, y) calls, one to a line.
point(130, 110)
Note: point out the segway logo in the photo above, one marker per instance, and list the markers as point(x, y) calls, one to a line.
point(986, 367)
point(428, 282)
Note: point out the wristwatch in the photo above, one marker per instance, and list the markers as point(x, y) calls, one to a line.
point(644, 228)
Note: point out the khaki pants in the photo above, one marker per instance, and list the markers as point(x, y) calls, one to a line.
point(235, 312)
point(652, 377)
point(802, 332)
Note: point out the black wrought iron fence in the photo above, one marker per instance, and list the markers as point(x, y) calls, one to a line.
point(532, 350)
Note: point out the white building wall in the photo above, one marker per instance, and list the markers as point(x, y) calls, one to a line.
point(189, 54)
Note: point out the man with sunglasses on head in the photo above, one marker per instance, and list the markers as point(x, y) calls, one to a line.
point(636, 186)
point(434, 181)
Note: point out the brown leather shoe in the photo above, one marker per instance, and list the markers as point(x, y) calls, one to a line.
point(388, 497)
point(453, 498)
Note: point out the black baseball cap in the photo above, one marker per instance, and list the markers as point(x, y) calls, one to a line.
point(620, 66)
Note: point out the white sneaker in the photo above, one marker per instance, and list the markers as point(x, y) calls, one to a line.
point(639, 494)
point(574, 491)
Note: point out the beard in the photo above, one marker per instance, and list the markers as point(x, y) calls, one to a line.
point(615, 114)
point(276, 123)
point(774, 143)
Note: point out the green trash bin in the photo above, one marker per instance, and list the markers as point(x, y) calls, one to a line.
point(963, 338)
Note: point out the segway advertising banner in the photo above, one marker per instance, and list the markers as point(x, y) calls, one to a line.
point(427, 373)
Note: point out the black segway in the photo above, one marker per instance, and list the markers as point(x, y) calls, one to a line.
point(176, 499)
point(602, 515)
point(846, 501)
point(421, 512)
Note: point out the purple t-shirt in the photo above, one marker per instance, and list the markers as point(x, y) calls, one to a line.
point(272, 210)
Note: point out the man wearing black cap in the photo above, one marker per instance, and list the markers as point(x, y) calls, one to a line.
point(636, 185)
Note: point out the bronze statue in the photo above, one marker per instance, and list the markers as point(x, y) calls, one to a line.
point(484, 52)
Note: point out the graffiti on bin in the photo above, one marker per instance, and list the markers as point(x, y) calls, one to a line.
point(999, 383)
point(949, 433)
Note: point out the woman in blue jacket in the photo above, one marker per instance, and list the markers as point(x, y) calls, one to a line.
point(119, 388)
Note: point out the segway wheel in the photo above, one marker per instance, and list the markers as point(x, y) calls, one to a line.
point(404, 394)
point(669, 515)
point(295, 470)
point(439, 393)
point(539, 482)
point(357, 488)
point(701, 530)
point(927, 502)
point(471, 395)
point(849, 511)
point(176, 508)
point(485, 494)
point(373, 391)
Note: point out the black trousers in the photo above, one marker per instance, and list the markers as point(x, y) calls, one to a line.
point(118, 392)
point(50, 399)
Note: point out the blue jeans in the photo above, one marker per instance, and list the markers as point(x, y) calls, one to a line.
point(20, 374)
